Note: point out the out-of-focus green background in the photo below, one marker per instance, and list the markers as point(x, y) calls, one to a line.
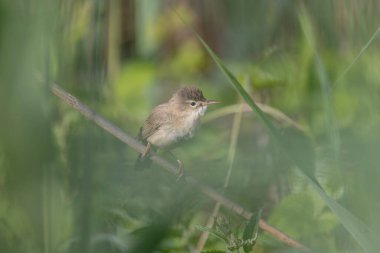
point(68, 186)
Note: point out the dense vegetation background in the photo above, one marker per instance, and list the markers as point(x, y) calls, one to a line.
point(67, 186)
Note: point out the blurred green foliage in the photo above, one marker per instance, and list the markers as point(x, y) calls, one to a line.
point(67, 186)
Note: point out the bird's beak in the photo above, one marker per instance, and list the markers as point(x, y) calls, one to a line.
point(210, 102)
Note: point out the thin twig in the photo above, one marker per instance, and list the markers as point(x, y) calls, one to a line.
point(271, 111)
point(206, 190)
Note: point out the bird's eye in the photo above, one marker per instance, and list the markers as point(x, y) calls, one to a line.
point(193, 103)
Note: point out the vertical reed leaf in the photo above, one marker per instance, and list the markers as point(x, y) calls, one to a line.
point(324, 82)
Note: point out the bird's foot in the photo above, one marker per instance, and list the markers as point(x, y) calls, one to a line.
point(143, 160)
point(147, 150)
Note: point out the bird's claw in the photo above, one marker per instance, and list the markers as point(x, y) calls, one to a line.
point(181, 171)
point(147, 150)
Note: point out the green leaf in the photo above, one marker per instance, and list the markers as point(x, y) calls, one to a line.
point(251, 231)
point(359, 231)
point(213, 232)
point(235, 244)
point(149, 237)
point(223, 226)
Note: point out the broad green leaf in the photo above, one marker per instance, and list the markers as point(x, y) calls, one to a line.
point(148, 238)
point(213, 232)
point(304, 212)
point(359, 231)
point(223, 226)
point(251, 231)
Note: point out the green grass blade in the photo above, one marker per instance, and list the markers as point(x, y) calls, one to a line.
point(324, 82)
point(236, 84)
point(334, 138)
point(362, 51)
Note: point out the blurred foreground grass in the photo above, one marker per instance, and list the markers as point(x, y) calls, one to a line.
point(66, 186)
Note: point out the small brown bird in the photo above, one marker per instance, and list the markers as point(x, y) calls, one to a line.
point(172, 122)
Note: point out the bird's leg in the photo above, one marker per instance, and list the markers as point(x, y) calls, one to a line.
point(143, 160)
point(147, 150)
point(181, 171)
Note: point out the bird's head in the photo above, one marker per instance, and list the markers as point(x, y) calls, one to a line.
point(191, 100)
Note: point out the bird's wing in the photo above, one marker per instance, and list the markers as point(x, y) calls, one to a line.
point(159, 116)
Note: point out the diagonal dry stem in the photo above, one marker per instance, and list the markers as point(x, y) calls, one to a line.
point(136, 145)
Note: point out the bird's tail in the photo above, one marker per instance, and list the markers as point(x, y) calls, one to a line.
point(142, 162)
